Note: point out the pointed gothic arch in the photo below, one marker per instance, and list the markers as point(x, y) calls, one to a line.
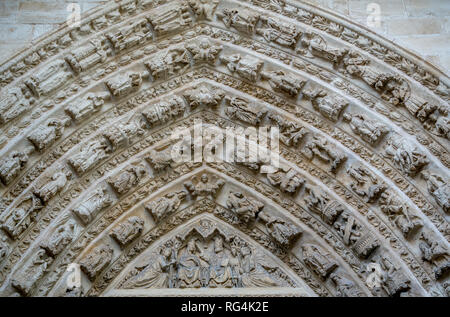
point(87, 115)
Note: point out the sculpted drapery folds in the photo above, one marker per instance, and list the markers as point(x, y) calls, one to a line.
point(87, 173)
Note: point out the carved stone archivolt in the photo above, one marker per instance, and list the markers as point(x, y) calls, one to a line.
point(358, 205)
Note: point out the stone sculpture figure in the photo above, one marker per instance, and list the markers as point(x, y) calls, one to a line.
point(96, 261)
point(287, 179)
point(49, 79)
point(87, 56)
point(284, 82)
point(46, 134)
point(83, 109)
point(319, 147)
point(170, 19)
point(399, 214)
point(435, 252)
point(12, 165)
point(318, 260)
point(165, 206)
point(370, 131)
point(365, 184)
point(203, 8)
point(321, 204)
point(329, 105)
point(344, 286)
point(92, 205)
point(317, 46)
point(247, 67)
point(241, 109)
point(159, 274)
point(406, 156)
point(60, 239)
point(164, 111)
point(245, 208)
point(53, 187)
point(292, 133)
point(128, 230)
point(241, 20)
point(439, 188)
point(283, 34)
point(160, 160)
point(121, 134)
point(130, 177)
point(124, 84)
point(129, 36)
point(22, 216)
point(393, 281)
point(169, 63)
point(205, 187)
point(25, 280)
point(204, 50)
point(283, 232)
point(13, 102)
point(90, 155)
point(204, 95)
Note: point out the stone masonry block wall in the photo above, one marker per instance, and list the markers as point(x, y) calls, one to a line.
point(420, 25)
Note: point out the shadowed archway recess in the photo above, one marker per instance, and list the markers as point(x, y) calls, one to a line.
point(358, 206)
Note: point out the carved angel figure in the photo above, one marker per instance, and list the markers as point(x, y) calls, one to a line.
point(282, 231)
point(205, 187)
point(164, 206)
point(246, 208)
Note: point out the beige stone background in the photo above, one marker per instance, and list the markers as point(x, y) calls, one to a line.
point(422, 26)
